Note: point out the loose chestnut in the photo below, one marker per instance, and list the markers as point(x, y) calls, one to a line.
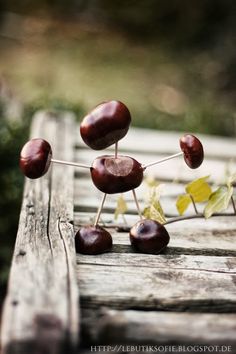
point(116, 175)
point(192, 149)
point(92, 240)
point(105, 125)
point(35, 158)
point(149, 236)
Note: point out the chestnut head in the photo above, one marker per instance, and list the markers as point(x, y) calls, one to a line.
point(116, 175)
point(192, 149)
point(149, 236)
point(105, 125)
point(35, 158)
point(92, 240)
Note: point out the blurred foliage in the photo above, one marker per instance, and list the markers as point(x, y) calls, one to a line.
point(192, 22)
point(12, 136)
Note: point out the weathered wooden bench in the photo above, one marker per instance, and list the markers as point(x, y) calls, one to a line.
point(57, 299)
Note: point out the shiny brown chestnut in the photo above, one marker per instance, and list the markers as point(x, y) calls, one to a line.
point(92, 240)
point(149, 236)
point(35, 158)
point(192, 149)
point(105, 125)
point(116, 175)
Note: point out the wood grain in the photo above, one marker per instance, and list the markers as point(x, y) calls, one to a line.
point(174, 289)
point(112, 327)
point(41, 307)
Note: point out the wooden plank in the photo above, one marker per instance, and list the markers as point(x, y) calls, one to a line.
point(137, 287)
point(92, 201)
point(41, 307)
point(112, 327)
point(172, 170)
point(84, 187)
point(179, 262)
point(215, 236)
point(167, 142)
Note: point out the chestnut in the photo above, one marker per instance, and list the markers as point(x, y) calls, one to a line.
point(192, 149)
point(116, 175)
point(92, 240)
point(149, 236)
point(35, 158)
point(105, 125)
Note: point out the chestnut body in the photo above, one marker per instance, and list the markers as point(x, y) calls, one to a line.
point(106, 124)
point(116, 175)
point(35, 158)
point(192, 149)
point(149, 236)
point(92, 240)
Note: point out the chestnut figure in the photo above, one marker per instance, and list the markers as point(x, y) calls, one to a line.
point(105, 125)
point(35, 158)
point(149, 236)
point(92, 240)
point(192, 149)
point(116, 175)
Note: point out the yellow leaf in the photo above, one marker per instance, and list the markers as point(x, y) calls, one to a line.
point(121, 207)
point(199, 189)
point(182, 203)
point(146, 212)
point(219, 201)
point(156, 207)
point(154, 213)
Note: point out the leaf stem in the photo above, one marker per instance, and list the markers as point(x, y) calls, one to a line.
point(194, 204)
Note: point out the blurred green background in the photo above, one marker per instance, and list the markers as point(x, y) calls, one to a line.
point(171, 61)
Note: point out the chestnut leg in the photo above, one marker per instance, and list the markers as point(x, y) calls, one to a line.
point(163, 160)
point(116, 149)
point(137, 204)
point(100, 210)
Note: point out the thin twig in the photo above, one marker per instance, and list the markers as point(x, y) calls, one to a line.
point(195, 216)
point(127, 227)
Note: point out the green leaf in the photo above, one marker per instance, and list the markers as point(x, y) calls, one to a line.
point(219, 201)
point(182, 203)
point(121, 207)
point(199, 189)
point(155, 212)
point(154, 209)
